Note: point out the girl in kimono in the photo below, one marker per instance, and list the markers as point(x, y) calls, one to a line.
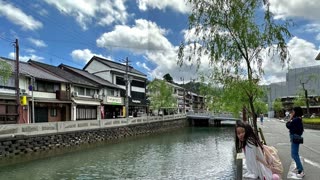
point(257, 167)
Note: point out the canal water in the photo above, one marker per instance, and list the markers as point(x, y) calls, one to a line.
point(188, 153)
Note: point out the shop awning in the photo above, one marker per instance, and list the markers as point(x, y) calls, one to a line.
point(84, 102)
point(45, 100)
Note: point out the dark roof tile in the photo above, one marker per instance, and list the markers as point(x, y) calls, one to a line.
point(65, 74)
point(27, 70)
point(116, 65)
point(90, 76)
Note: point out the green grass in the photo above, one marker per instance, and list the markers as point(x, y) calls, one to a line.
point(311, 120)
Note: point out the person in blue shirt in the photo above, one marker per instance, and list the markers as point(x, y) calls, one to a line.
point(295, 127)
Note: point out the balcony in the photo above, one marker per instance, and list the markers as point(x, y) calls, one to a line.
point(63, 95)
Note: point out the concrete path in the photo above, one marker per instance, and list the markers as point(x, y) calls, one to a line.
point(277, 135)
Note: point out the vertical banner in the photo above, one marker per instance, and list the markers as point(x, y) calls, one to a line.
point(123, 111)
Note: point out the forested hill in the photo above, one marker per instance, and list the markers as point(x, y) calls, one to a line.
point(192, 86)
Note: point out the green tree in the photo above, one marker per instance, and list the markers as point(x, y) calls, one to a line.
point(233, 34)
point(305, 90)
point(212, 95)
point(277, 106)
point(261, 106)
point(5, 72)
point(161, 95)
point(300, 100)
point(235, 96)
point(168, 78)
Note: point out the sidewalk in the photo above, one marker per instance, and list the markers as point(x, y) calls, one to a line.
point(277, 135)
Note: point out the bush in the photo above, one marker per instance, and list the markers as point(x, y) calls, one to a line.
point(311, 121)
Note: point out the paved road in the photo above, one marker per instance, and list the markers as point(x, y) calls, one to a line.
point(277, 135)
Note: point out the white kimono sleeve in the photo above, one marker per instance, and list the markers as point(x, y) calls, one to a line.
point(256, 169)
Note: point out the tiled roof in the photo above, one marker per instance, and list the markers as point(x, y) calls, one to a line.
point(90, 76)
point(65, 74)
point(116, 65)
point(28, 70)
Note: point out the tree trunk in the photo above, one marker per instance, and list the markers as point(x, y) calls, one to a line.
point(254, 116)
point(307, 102)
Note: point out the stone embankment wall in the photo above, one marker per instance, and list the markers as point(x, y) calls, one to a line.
point(22, 145)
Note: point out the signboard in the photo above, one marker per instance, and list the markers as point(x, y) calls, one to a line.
point(23, 100)
point(136, 101)
point(114, 100)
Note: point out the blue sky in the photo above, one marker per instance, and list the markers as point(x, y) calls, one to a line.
point(148, 32)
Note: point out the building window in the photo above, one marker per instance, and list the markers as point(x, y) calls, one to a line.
point(45, 86)
point(53, 112)
point(86, 113)
point(10, 82)
point(120, 81)
point(84, 91)
point(138, 83)
point(137, 95)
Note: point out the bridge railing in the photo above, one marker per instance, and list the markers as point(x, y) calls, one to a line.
point(12, 130)
point(210, 114)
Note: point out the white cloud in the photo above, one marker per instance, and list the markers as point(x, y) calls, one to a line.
point(18, 17)
point(104, 12)
point(29, 50)
point(148, 39)
point(302, 54)
point(177, 5)
point(295, 8)
point(84, 55)
point(143, 36)
point(143, 65)
point(313, 28)
point(27, 57)
point(167, 63)
point(37, 42)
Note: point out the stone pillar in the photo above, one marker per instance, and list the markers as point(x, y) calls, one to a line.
point(99, 112)
point(73, 112)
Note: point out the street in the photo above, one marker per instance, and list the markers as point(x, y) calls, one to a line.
point(277, 135)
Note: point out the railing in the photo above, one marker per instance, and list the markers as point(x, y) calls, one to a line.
point(227, 115)
point(13, 130)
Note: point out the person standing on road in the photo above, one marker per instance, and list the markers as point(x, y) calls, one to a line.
point(257, 166)
point(295, 127)
point(261, 118)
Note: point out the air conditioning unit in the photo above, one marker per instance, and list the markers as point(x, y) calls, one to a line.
point(22, 92)
point(96, 96)
point(75, 94)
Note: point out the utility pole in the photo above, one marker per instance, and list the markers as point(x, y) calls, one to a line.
point(127, 83)
point(16, 45)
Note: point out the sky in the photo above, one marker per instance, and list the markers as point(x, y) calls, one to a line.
point(148, 32)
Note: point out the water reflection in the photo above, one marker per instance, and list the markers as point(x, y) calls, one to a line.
point(189, 153)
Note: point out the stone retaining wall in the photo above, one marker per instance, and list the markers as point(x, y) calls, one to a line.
point(23, 145)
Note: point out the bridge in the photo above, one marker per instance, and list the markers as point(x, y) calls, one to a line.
point(209, 119)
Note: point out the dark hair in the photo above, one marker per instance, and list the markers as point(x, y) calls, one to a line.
point(298, 111)
point(249, 137)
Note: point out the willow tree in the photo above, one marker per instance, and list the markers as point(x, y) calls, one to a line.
point(161, 95)
point(232, 34)
point(5, 72)
point(212, 97)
